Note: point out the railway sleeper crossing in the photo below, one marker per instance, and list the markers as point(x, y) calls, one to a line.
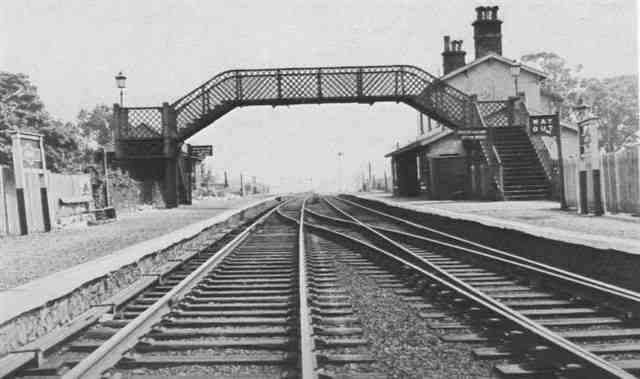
point(267, 301)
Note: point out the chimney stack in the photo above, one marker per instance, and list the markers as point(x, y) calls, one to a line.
point(452, 56)
point(487, 31)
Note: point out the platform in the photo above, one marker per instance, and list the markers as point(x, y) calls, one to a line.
point(105, 249)
point(26, 258)
point(537, 218)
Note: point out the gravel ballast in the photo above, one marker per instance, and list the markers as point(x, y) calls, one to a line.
point(401, 341)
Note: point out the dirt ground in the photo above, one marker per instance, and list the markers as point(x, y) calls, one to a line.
point(25, 258)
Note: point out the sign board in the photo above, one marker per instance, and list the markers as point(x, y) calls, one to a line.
point(202, 151)
point(472, 134)
point(31, 153)
point(544, 124)
point(28, 155)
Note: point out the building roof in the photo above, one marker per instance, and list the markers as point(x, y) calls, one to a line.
point(497, 57)
point(422, 141)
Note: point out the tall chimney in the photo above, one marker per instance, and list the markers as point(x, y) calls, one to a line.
point(452, 56)
point(487, 31)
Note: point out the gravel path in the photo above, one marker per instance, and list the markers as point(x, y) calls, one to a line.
point(536, 213)
point(25, 258)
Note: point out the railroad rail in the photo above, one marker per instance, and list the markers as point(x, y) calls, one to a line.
point(267, 301)
point(262, 305)
point(546, 313)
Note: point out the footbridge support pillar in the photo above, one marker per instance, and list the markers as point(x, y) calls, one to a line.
point(170, 152)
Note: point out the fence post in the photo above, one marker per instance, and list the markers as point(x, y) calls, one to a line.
point(18, 172)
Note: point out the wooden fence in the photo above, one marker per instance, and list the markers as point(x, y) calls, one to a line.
point(67, 195)
point(619, 180)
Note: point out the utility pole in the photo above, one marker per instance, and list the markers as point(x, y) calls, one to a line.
point(340, 155)
point(106, 177)
point(241, 185)
point(226, 180)
point(386, 187)
point(370, 183)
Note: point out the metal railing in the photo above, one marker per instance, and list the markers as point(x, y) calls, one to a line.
point(496, 170)
point(287, 86)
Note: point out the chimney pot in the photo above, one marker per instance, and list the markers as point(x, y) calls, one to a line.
point(487, 32)
point(453, 57)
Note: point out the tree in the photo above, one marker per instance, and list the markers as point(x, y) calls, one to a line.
point(614, 100)
point(22, 109)
point(95, 127)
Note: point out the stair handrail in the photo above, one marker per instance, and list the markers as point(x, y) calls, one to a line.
point(496, 154)
point(496, 170)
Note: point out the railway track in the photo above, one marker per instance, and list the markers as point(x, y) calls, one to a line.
point(259, 306)
point(55, 354)
point(267, 301)
point(545, 321)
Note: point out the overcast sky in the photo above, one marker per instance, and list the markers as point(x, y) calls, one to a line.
point(72, 49)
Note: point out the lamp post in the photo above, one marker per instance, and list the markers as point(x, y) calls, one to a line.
point(588, 145)
point(340, 155)
point(121, 83)
point(515, 72)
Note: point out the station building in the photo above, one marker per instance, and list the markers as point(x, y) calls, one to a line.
point(504, 161)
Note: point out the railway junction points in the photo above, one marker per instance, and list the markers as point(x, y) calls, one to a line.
point(262, 295)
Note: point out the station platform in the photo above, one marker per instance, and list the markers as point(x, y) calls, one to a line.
point(49, 278)
point(537, 218)
point(26, 258)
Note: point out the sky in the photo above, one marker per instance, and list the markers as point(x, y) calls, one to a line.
point(72, 49)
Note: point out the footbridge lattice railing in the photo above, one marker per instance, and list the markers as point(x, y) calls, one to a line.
point(289, 86)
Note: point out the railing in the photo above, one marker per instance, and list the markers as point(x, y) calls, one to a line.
point(495, 114)
point(366, 84)
point(140, 123)
point(500, 167)
point(540, 147)
point(494, 162)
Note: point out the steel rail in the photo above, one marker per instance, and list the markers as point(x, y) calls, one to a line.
point(110, 352)
point(308, 362)
point(505, 257)
point(605, 368)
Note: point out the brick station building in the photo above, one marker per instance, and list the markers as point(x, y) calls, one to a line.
point(504, 161)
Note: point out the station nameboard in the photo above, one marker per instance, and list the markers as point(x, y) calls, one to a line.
point(545, 124)
point(202, 151)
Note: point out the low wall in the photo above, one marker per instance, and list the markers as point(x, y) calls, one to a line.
point(613, 266)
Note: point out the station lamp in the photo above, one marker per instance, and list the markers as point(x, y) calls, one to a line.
point(121, 83)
